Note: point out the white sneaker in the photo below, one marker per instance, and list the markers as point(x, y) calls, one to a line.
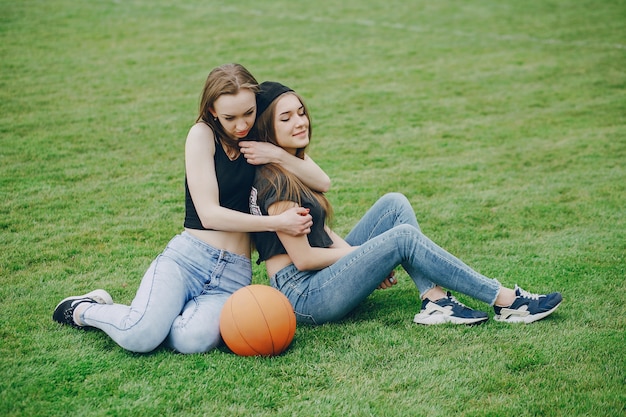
point(64, 311)
point(448, 310)
point(528, 307)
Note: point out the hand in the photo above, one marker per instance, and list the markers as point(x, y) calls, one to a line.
point(388, 282)
point(259, 153)
point(296, 221)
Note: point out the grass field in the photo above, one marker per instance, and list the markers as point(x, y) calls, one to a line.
point(504, 122)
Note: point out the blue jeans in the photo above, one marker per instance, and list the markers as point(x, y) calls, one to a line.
point(388, 235)
point(179, 300)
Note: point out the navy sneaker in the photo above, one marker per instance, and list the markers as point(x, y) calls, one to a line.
point(64, 311)
point(528, 307)
point(448, 310)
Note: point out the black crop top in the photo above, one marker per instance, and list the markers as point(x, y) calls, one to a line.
point(267, 243)
point(234, 179)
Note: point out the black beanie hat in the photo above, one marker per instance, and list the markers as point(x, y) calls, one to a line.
point(269, 91)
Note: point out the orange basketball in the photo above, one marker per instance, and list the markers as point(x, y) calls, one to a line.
point(257, 320)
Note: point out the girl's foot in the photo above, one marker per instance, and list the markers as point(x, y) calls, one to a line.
point(64, 311)
point(528, 307)
point(448, 310)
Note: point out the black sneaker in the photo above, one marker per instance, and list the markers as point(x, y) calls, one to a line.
point(528, 307)
point(448, 310)
point(64, 311)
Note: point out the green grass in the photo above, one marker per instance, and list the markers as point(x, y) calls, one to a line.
point(503, 122)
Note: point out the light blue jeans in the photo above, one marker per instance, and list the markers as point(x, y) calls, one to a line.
point(388, 235)
point(179, 300)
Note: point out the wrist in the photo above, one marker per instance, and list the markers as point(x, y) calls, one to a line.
point(274, 224)
point(280, 156)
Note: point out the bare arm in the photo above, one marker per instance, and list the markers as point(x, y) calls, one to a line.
point(338, 242)
point(202, 181)
point(303, 256)
point(259, 153)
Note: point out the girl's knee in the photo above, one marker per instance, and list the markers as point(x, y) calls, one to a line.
point(403, 207)
point(141, 341)
point(396, 197)
point(407, 235)
point(185, 340)
point(398, 200)
point(189, 346)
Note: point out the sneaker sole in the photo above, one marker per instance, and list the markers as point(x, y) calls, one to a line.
point(99, 296)
point(526, 319)
point(441, 319)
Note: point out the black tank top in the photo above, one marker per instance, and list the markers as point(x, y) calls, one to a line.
point(234, 179)
point(267, 243)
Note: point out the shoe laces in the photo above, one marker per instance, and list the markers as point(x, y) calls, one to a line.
point(454, 300)
point(526, 294)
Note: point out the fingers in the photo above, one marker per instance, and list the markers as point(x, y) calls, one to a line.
point(303, 221)
point(258, 153)
point(246, 148)
point(384, 285)
point(389, 281)
point(302, 211)
point(306, 226)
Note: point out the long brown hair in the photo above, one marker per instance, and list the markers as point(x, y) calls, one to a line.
point(277, 177)
point(225, 79)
